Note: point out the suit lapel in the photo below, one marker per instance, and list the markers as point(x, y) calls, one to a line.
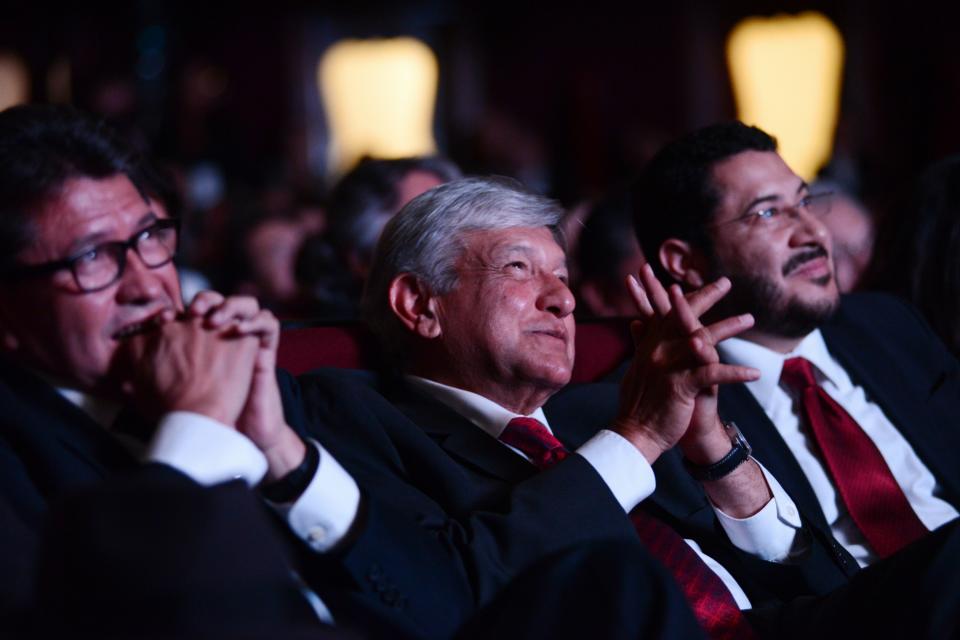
point(61, 444)
point(904, 396)
point(460, 438)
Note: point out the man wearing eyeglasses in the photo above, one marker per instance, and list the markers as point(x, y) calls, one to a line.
point(102, 367)
point(856, 408)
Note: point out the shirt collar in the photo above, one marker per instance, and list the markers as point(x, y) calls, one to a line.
point(481, 411)
point(770, 363)
point(101, 411)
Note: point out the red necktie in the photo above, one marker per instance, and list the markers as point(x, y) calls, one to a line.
point(871, 493)
point(714, 607)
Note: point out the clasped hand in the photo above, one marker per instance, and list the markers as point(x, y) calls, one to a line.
point(218, 359)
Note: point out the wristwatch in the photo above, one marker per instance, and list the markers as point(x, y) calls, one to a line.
point(739, 454)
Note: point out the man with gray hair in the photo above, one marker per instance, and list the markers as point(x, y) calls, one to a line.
point(469, 292)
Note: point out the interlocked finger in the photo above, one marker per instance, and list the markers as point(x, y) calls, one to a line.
point(718, 373)
point(655, 291)
point(729, 327)
point(639, 297)
point(703, 299)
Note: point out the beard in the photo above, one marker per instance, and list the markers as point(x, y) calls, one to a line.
point(774, 312)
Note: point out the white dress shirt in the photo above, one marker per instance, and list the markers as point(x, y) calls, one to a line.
point(210, 452)
point(770, 534)
point(918, 484)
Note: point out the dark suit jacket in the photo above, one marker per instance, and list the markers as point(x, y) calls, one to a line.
point(150, 552)
point(388, 575)
point(492, 509)
point(888, 349)
point(488, 507)
point(577, 412)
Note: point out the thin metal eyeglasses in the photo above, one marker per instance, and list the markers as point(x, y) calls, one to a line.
point(100, 266)
point(778, 216)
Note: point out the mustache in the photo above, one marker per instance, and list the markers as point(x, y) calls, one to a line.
point(800, 259)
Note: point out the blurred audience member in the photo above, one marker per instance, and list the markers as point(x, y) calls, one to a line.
point(333, 267)
point(370, 194)
point(263, 247)
point(851, 225)
point(918, 251)
point(608, 252)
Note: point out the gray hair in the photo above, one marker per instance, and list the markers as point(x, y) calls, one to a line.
point(426, 239)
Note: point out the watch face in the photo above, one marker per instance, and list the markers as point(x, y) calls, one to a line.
point(736, 437)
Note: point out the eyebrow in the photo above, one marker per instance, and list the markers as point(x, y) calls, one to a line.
point(89, 241)
point(771, 198)
point(502, 251)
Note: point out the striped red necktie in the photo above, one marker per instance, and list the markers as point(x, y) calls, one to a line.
point(870, 492)
point(712, 604)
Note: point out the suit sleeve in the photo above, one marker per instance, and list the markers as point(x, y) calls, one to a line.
point(490, 538)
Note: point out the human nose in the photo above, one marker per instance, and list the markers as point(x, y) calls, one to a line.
point(807, 228)
point(556, 297)
point(138, 282)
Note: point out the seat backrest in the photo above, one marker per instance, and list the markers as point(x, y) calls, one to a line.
point(601, 346)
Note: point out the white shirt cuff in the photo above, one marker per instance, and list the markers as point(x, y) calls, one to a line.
point(206, 450)
point(325, 511)
point(739, 596)
point(773, 532)
point(623, 468)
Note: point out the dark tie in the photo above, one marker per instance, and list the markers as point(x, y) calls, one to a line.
point(868, 489)
point(714, 607)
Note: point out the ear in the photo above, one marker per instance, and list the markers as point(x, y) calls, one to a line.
point(684, 263)
point(414, 305)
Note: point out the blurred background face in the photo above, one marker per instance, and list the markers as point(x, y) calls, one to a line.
point(61, 331)
point(852, 230)
point(240, 102)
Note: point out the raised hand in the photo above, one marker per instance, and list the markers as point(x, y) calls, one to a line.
point(675, 368)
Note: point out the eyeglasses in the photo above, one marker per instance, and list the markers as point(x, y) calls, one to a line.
point(99, 267)
point(779, 216)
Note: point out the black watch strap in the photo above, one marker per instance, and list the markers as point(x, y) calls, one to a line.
point(739, 453)
point(291, 486)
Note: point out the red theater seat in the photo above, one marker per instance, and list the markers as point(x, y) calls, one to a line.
point(601, 346)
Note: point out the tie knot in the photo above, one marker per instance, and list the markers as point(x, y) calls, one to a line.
point(531, 437)
point(798, 374)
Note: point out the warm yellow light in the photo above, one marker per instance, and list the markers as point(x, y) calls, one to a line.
point(379, 97)
point(786, 75)
point(14, 81)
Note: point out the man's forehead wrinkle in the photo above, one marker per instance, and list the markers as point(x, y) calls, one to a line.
point(89, 211)
point(106, 235)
